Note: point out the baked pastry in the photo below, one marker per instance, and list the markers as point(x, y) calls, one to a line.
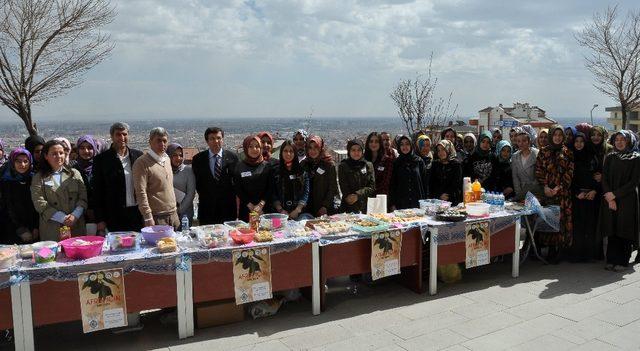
point(166, 245)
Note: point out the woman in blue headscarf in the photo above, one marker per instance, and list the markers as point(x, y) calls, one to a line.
point(18, 217)
point(501, 170)
point(87, 150)
point(480, 164)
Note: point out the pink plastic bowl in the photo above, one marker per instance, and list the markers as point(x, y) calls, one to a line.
point(76, 252)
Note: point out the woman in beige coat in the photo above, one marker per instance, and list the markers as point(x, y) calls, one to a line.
point(59, 194)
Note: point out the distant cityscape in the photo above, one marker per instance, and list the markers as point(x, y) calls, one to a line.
point(189, 133)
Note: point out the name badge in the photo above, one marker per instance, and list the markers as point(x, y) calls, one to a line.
point(364, 170)
point(292, 176)
point(380, 168)
point(320, 171)
point(245, 174)
point(49, 183)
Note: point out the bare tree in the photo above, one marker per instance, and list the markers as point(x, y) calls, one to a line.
point(614, 56)
point(46, 46)
point(417, 104)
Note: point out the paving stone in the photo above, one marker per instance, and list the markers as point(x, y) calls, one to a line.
point(427, 325)
point(585, 309)
point(596, 345)
point(584, 331)
point(364, 342)
point(546, 343)
point(436, 340)
point(317, 337)
point(485, 325)
point(627, 338)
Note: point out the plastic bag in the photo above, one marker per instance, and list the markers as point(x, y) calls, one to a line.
point(449, 273)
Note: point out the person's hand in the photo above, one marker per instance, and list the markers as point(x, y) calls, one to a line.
point(69, 220)
point(351, 199)
point(580, 196)
point(597, 177)
point(609, 196)
point(444, 197)
point(251, 206)
point(26, 237)
point(613, 206)
point(295, 213)
point(591, 195)
point(149, 222)
point(548, 192)
point(322, 211)
point(507, 191)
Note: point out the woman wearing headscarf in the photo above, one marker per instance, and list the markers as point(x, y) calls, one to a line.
point(34, 145)
point(446, 174)
point(598, 137)
point(619, 218)
point(253, 179)
point(543, 138)
point(300, 143)
point(66, 144)
point(584, 128)
point(409, 181)
point(502, 177)
point(496, 136)
point(423, 149)
point(87, 150)
point(533, 137)
point(512, 138)
point(18, 217)
point(480, 164)
point(382, 162)
point(569, 134)
point(58, 194)
point(323, 178)
point(585, 191)
point(468, 145)
point(523, 168)
point(291, 190)
point(3, 157)
point(184, 182)
point(356, 178)
point(266, 139)
point(449, 134)
point(554, 171)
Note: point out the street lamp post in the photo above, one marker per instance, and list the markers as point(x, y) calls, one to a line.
point(594, 106)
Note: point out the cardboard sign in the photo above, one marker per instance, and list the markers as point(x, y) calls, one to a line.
point(385, 253)
point(477, 242)
point(252, 274)
point(103, 303)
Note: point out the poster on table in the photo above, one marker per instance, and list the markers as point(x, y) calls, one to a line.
point(477, 241)
point(252, 274)
point(385, 254)
point(102, 300)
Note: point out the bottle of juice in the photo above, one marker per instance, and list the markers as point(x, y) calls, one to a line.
point(477, 190)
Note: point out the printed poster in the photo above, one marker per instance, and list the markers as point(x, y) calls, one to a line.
point(252, 274)
point(478, 242)
point(103, 302)
point(385, 253)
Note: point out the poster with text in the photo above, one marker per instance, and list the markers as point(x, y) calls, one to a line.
point(478, 242)
point(102, 300)
point(385, 254)
point(252, 274)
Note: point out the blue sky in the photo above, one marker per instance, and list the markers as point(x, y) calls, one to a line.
point(197, 58)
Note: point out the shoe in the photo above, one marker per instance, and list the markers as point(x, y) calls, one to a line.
point(608, 267)
point(618, 268)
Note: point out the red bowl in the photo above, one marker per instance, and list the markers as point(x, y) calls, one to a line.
point(242, 235)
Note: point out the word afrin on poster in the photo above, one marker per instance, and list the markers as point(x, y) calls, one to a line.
point(385, 254)
point(252, 274)
point(103, 303)
point(478, 242)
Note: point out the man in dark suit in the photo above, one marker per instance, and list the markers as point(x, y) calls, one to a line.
point(115, 202)
point(213, 169)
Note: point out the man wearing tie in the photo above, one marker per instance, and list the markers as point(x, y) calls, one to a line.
point(213, 169)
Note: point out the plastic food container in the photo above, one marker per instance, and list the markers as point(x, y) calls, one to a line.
point(82, 247)
point(211, 236)
point(123, 241)
point(45, 251)
point(154, 233)
point(8, 256)
point(237, 224)
point(273, 221)
point(433, 206)
point(477, 209)
point(242, 235)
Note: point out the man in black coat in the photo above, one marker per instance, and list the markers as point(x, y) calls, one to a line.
point(112, 181)
point(213, 169)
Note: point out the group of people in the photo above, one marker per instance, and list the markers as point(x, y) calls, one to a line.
point(591, 177)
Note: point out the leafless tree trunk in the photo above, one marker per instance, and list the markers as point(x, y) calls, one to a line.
point(46, 46)
point(614, 56)
point(417, 105)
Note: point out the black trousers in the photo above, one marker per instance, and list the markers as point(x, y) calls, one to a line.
point(125, 219)
point(618, 251)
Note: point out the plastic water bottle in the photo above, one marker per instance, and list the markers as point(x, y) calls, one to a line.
point(185, 224)
point(501, 200)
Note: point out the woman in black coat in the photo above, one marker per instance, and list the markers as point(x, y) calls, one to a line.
point(619, 216)
point(502, 176)
point(253, 179)
point(18, 217)
point(586, 193)
point(356, 178)
point(409, 181)
point(480, 164)
point(446, 174)
point(291, 190)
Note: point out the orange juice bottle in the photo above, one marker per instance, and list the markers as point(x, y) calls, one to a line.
point(477, 190)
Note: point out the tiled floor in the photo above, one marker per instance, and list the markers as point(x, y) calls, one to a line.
point(568, 306)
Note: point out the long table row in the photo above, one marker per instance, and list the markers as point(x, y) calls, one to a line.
point(32, 302)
